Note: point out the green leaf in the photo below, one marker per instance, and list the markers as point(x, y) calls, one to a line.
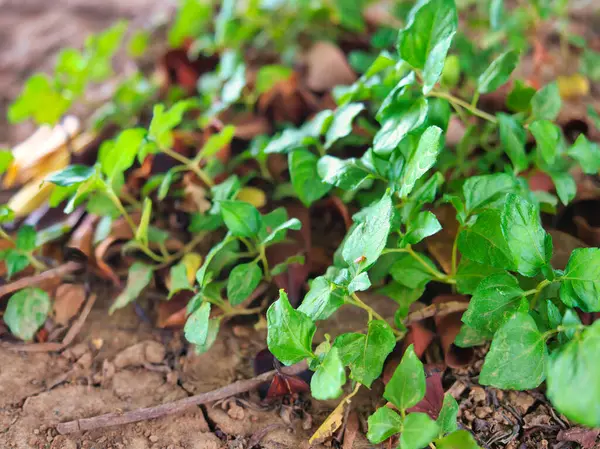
point(573, 385)
point(580, 286)
point(196, 327)
point(39, 100)
point(138, 43)
point(6, 158)
point(483, 241)
point(341, 125)
point(213, 331)
point(470, 274)
point(269, 75)
point(73, 174)
point(179, 279)
point(498, 72)
point(282, 267)
point(424, 225)
point(448, 415)
point(305, 179)
point(424, 43)
point(290, 332)
point(350, 14)
point(242, 219)
point(513, 138)
point(421, 159)
point(191, 19)
point(383, 424)
point(6, 214)
point(530, 245)
point(519, 98)
point(369, 237)
point(461, 439)
point(418, 431)
point(138, 278)
point(322, 300)
point(165, 120)
point(360, 283)
point(586, 153)
point(26, 312)
point(116, 156)
point(329, 378)
point(402, 118)
point(346, 174)
point(495, 300)
point(216, 142)
point(243, 280)
point(410, 272)
point(517, 357)
point(26, 237)
point(468, 337)
point(407, 385)
point(546, 103)
point(225, 190)
point(565, 185)
point(548, 137)
point(278, 233)
point(15, 262)
point(486, 191)
point(374, 349)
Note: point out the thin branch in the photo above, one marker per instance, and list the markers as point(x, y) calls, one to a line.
point(60, 271)
point(142, 414)
point(442, 309)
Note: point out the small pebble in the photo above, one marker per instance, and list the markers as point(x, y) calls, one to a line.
point(153, 438)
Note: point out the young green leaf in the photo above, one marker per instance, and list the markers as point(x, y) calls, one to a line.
point(73, 174)
point(495, 300)
point(138, 278)
point(519, 98)
point(486, 191)
point(421, 159)
point(179, 279)
point(242, 219)
point(40, 100)
point(517, 357)
point(424, 225)
point(461, 439)
point(216, 142)
point(211, 337)
point(418, 430)
point(346, 174)
point(197, 325)
point(547, 136)
point(26, 237)
point(498, 72)
point(565, 185)
point(425, 41)
point(528, 242)
point(243, 280)
point(278, 233)
point(191, 19)
point(369, 237)
point(26, 312)
point(116, 156)
point(580, 286)
point(447, 417)
point(6, 214)
point(322, 300)
point(6, 158)
point(15, 262)
point(360, 283)
point(290, 332)
point(411, 272)
point(401, 119)
point(341, 125)
point(407, 385)
point(513, 138)
point(573, 384)
point(383, 424)
point(587, 154)
point(305, 179)
point(329, 378)
point(546, 103)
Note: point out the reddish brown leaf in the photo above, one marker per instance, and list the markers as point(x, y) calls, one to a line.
point(540, 181)
point(287, 101)
point(589, 234)
point(105, 270)
point(327, 67)
point(173, 313)
point(82, 238)
point(563, 245)
point(585, 437)
point(434, 396)
point(448, 327)
point(68, 300)
point(284, 385)
point(176, 68)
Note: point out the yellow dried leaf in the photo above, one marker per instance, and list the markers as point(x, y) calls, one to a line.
point(30, 197)
point(333, 421)
point(573, 86)
point(252, 195)
point(192, 262)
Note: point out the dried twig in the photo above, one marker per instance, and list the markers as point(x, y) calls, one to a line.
point(61, 270)
point(441, 309)
point(141, 414)
point(71, 334)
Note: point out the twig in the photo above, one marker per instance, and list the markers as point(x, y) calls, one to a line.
point(436, 310)
point(69, 337)
point(59, 271)
point(141, 414)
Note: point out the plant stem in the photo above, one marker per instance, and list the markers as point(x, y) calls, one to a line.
point(119, 205)
point(457, 101)
point(475, 99)
point(536, 293)
point(265, 262)
point(37, 264)
point(186, 249)
point(546, 335)
point(440, 277)
point(190, 164)
point(455, 251)
point(372, 313)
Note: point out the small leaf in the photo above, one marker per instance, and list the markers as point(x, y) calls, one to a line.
point(242, 219)
point(26, 312)
point(211, 337)
point(421, 159)
point(279, 232)
point(424, 225)
point(138, 278)
point(269, 75)
point(425, 41)
point(217, 142)
point(341, 125)
point(587, 154)
point(410, 272)
point(418, 431)
point(580, 285)
point(6, 158)
point(527, 240)
point(116, 156)
point(448, 415)
point(196, 327)
point(407, 385)
point(383, 424)
point(573, 383)
point(305, 178)
point(329, 377)
point(243, 280)
point(565, 185)
point(498, 72)
point(461, 439)
point(15, 262)
point(548, 137)
point(513, 138)
point(546, 103)
point(26, 237)
point(346, 174)
point(519, 98)
point(73, 174)
point(517, 357)
point(486, 191)
point(374, 349)
point(360, 283)
point(494, 301)
point(178, 279)
point(290, 332)
point(402, 118)
point(40, 100)
point(192, 16)
point(322, 300)
point(470, 274)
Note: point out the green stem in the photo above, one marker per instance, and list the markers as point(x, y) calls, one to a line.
point(455, 251)
point(536, 292)
point(191, 165)
point(356, 301)
point(183, 251)
point(37, 264)
point(440, 277)
point(546, 335)
point(263, 257)
point(457, 101)
point(475, 99)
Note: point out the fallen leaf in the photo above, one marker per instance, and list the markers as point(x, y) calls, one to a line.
point(175, 68)
point(252, 195)
point(327, 67)
point(287, 101)
point(586, 232)
point(440, 244)
point(173, 313)
point(448, 327)
point(434, 396)
point(573, 86)
point(67, 301)
point(82, 238)
point(563, 245)
point(580, 435)
point(351, 431)
point(330, 425)
point(31, 196)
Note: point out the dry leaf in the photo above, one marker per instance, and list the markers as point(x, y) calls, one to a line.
point(330, 425)
point(82, 238)
point(573, 86)
point(440, 244)
point(351, 431)
point(67, 302)
point(585, 437)
point(327, 67)
point(30, 197)
point(447, 327)
point(563, 245)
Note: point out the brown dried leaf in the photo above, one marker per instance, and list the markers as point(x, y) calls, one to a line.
point(327, 67)
point(351, 431)
point(287, 101)
point(330, 425)
point(440, 244)
point(563, 245)
point(82, 237)
point(447, 327)
point(585, 437)
point(68, 300)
